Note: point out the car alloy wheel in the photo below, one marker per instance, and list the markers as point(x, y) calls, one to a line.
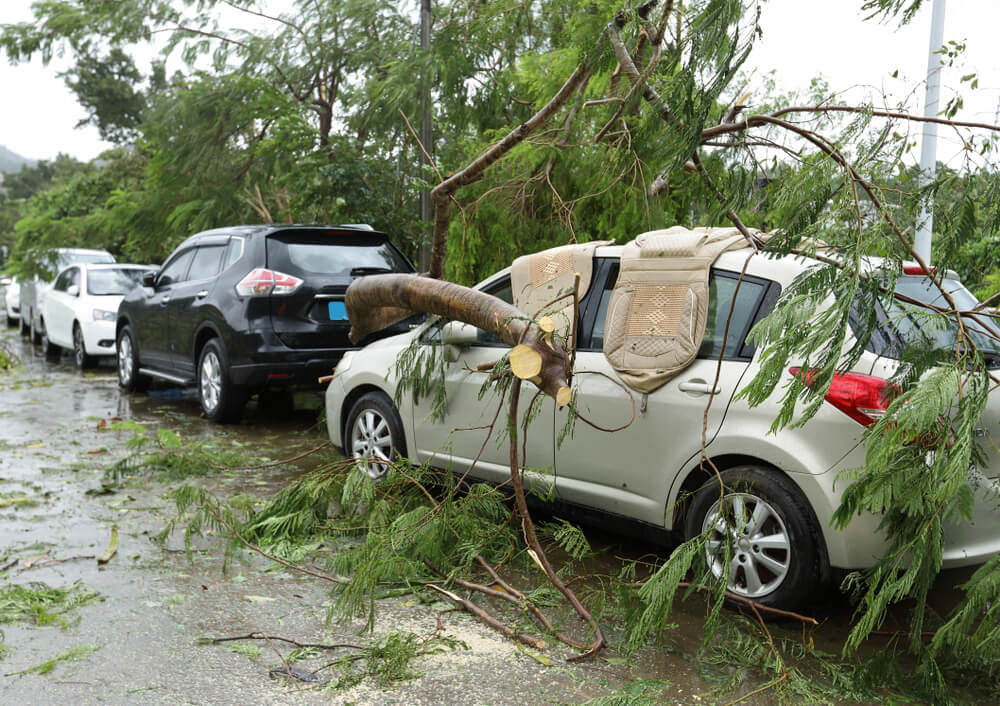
point(129, 377)
point(221, 400)
point(375, 435)
point(210, 382)
point(80, 356)
point(747, 539)
point(761, 537)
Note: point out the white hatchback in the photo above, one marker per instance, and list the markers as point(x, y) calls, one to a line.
point(80, 310)
point(650, 471)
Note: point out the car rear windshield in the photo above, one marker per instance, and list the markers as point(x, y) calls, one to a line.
point(913, 327)
point(113, 281)
point(336, 253)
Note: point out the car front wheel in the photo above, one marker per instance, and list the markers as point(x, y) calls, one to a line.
point(760, 535)
point(374, 434)
point(80, 357)
point(129, 377)
point(221, 400)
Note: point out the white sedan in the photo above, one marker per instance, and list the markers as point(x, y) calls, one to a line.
point(80, 309)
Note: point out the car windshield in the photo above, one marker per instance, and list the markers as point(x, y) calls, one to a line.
point(915, 328)
point(113, 281)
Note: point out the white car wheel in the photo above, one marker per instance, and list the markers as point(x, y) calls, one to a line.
point(374, 435)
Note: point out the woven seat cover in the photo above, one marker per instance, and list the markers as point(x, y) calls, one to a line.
point(540, 278)
point(656, 315)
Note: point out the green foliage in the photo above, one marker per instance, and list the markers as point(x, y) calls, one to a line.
point(166, 456)
point(40, 604)
point(73, 654)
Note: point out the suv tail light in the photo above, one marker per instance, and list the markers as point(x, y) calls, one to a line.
point(863, 398)
point(262, 282)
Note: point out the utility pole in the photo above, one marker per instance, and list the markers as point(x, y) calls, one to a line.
point(928, 148)
point(426, 138)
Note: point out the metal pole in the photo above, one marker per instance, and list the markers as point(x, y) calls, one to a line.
point(928, 148)
point(426, 138)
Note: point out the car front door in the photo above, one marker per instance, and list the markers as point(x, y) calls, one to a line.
point(628, 446)
point(151, 322)
point(187, 301)
point(473, 433)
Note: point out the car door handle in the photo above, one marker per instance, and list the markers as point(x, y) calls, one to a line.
point(699, 386)
point(202, 294)
point(164, 301)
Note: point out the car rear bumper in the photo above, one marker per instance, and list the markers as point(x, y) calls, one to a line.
point(287, 368)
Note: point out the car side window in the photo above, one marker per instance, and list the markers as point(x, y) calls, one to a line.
point(234, 251)
point(722, 288)
point(63, 281)
point(501, 290)
point(207, 260)
point(74, 279)
point(175, 270)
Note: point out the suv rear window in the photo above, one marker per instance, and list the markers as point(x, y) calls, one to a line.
point(337, 253)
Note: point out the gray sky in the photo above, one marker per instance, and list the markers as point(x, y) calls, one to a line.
point(802, 39)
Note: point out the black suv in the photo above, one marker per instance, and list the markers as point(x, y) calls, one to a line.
point(249, 309)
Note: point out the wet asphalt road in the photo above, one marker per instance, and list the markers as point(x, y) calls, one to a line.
point(140, 636)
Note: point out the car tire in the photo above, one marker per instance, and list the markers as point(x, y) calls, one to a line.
point(127, 355)
point(786, 571)
point(374, 429)
point(81, 358)
point(221, 400)
point(23, 326)
point(11, 322)
point(49, 349)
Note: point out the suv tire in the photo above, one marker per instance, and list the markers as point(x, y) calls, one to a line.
point(374, 429)
point(221, 400)
point(775, 557)
point(127, 355)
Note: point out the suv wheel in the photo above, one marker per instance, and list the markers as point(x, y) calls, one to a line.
point(49, 349)
point(374, 431)
point(761, 534)
point(11, 321)
point(129, 377)
point(221, 400)
point(22, 325)
point(80, 357)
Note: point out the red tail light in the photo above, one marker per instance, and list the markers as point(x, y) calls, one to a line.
point(863, 398)
point(261, 282)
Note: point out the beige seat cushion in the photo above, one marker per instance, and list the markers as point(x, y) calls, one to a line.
point(537, 280)
point(656, 315)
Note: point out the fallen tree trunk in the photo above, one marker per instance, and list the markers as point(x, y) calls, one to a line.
point(374, 301)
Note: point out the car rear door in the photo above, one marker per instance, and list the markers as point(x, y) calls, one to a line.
point(624, 460)
point(326, 261)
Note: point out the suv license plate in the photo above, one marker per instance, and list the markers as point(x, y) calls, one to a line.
point(338, 312)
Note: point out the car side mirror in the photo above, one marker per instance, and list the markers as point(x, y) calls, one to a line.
point(459, 333)
point(73, 290)
point(148, 279)
point(456, 336)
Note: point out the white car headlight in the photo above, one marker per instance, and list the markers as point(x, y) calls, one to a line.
point(104, 315)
